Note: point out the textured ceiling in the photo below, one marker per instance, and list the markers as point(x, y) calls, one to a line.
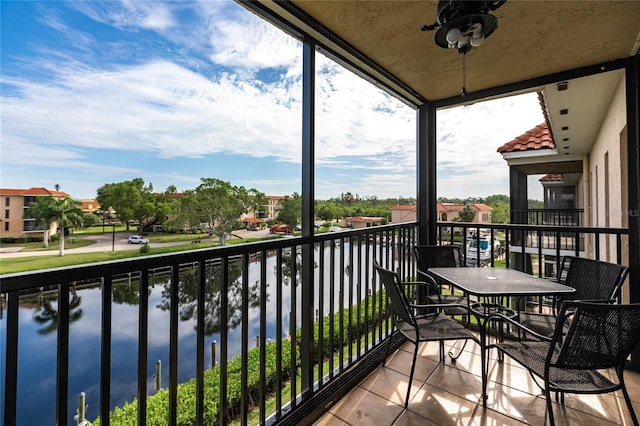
point(533, 38)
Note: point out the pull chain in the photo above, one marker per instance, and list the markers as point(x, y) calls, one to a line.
point(464, 75)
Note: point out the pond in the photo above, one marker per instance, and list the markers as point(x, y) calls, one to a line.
point(38, 335)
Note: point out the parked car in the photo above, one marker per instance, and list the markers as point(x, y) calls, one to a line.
point(137, 239)
point(485, 251)
point(279, 229)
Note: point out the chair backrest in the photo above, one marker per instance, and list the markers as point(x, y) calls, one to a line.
point(399, 302)
point(600, 335)
point(594, 279)
point(432, 256)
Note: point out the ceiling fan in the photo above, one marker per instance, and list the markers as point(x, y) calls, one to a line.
point(463, 25)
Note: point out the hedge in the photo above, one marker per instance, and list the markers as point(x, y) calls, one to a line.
point(158, 404)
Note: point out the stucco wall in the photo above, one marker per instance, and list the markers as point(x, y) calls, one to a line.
point(607, 144)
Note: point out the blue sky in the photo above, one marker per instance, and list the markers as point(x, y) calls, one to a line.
point(101, 92)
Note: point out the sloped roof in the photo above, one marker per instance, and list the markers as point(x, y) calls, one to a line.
point(35, 191)
point(367, 219)
point(482, 207)
point(552, 177)
point(537, 138)
point(445, 207)
point(404, 207)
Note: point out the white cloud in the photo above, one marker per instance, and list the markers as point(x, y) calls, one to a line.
point(174, 105)
point(468, 138)
point(129, 14)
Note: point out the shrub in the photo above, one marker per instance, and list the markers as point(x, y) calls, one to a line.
point(158, 404)
point(145, 248)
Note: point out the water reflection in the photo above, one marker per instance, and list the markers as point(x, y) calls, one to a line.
point(188, 295)
point(39, 318)
point(47, 313)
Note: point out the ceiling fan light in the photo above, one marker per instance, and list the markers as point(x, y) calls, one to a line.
point(477, 41)
point(453, 35)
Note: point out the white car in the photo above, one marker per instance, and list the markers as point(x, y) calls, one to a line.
point(137, 239)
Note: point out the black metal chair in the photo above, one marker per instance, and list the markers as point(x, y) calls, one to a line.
point(431, 256)
point(594, 281)
point(588, 337)
point(416, 328)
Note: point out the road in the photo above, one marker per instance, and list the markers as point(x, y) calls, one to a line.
point(107, 242)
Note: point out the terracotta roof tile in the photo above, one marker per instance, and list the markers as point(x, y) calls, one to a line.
point(482, 206)
point(552, 177)
point(404, 207)
point(33, 191)
point(364, 219)
point(537, 138)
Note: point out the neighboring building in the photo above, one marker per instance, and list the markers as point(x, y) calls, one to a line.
point(15, 202)
point(269, 211)
point(583, 158)
point(90, 206)
point(447, 212)
point(361, 222)
point(273, 206)
point(403, 213)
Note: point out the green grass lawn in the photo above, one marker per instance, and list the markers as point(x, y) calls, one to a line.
point(32, 263)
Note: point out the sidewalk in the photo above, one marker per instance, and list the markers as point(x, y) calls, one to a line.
point(105, 242)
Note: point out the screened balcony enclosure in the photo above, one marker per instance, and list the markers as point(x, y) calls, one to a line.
point(308, 311)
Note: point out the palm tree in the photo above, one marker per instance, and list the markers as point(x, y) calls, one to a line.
point(40, 210)
point(65, 211)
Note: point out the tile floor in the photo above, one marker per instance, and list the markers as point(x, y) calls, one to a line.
point(449, 394)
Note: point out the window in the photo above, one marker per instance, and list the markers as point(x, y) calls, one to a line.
point(6, 226)
point(7, 201)
point(485, 217)
point(6, 214)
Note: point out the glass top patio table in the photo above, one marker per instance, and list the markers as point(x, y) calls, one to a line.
point(499, 282)
point(496, 284)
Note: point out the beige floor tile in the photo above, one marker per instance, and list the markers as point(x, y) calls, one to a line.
point(449, 394)
point(488, 417)
point(401, 362)
point(441, 407)
point(364, 408)
point(390, 385)
point(409, 418)
point(457, 382)
point(330, 420)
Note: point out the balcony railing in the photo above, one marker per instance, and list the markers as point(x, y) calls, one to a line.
point(297, 314)
point(556, 217)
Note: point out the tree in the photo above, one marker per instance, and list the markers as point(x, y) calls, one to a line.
point(326, 211)
point(90, 219)
point(131, 200)
point(65, 211)
point(467, 214)
point(215, 206)
point(40, 210)
point(290, 210)
point(500, 213)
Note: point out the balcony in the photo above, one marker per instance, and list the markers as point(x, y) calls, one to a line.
point(252, 299)
point(449, 394)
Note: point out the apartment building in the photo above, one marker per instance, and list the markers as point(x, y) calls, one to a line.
point(447, 212)
point(14, 203)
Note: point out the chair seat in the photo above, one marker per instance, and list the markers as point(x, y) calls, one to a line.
point(451, 299)
point(533, 354)
point(435, 327)
point(543, 324)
